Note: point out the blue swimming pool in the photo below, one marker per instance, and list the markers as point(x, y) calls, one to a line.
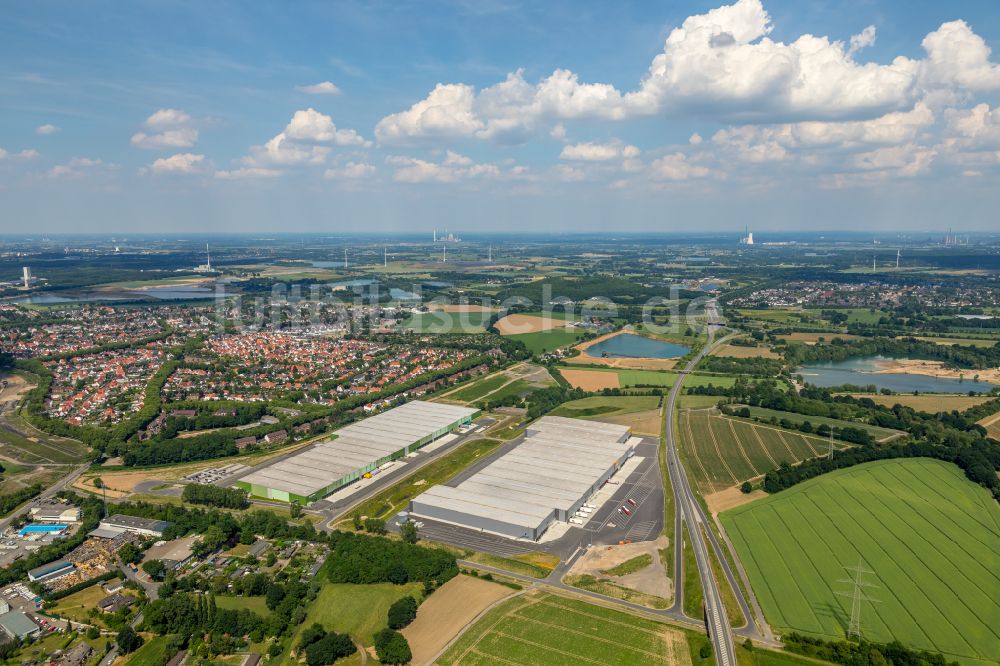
point(36, 529)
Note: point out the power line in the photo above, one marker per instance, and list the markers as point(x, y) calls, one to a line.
point(857, 595)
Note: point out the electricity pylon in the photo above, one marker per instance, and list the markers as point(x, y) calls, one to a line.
point(857, 595)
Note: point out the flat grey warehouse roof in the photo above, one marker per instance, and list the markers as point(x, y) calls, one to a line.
point(548, 474)
point(358, 445)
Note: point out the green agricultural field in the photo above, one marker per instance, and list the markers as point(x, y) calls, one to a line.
point(725, 451)
point(930, 536)
point(598, 406)
point(448, 322)
point(546, 341)
point(876, 432)
point(544, 629)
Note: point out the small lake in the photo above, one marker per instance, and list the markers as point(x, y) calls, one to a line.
point(859, 371)
point(178, 293)
point(630, 345)
point(53, 299)
point(403, 295)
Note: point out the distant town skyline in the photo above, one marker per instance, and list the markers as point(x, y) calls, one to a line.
point(496, 116)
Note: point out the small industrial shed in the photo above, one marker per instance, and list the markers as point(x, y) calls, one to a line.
point(547, 478)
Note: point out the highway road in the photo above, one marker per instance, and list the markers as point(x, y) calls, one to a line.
point(52, 490)
point(688, 513)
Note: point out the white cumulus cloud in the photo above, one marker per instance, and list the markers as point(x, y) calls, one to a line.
point(350, 171)
point(179, 163)
point(169, 129)
point(722, 63)
point(46, 129)
point(321, 88)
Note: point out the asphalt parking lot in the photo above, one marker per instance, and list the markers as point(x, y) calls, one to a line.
point(607, 526)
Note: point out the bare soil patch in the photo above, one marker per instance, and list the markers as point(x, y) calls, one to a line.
point(642, 423)
point(651, 580)
point(446, 612)
point(590, 380)
point(730, 498)
point(521, 323)
point(813, 338)
point(736, 351)
point(935, 369)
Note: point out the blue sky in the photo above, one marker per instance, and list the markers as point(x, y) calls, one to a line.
point(496, 115)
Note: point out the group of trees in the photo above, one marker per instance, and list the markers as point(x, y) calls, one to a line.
point(227, 498)
point(360, 558)
point(980, 462)
point(391, 647)
point(862, 653)
point(753, 367)
point(323, 647)
point(11, 501)
point(193, 614)
point(402, 612)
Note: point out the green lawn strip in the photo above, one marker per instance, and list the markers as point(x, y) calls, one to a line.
point(693, 595)
point(697, 401)
point(918, 524)
point(876, 431)
point(393, 499)
point(733, 610)
point(518, 566)
point(637, 563)
point(479, 388)
point(516, 387)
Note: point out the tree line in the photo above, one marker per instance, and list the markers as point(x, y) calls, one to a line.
point(227, 498)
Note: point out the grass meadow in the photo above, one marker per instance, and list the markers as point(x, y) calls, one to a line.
point(545, 341)
point(930, 536)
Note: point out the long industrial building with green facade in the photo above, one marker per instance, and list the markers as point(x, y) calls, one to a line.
point(354, 451)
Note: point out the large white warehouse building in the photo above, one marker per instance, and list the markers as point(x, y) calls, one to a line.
point(355, 450)
point(546, 478)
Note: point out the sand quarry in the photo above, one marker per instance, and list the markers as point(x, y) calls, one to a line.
point(447, 612)
point(651, 580)
point(934, 369)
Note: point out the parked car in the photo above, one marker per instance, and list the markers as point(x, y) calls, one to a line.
point(632, 502)
point(627, 511)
